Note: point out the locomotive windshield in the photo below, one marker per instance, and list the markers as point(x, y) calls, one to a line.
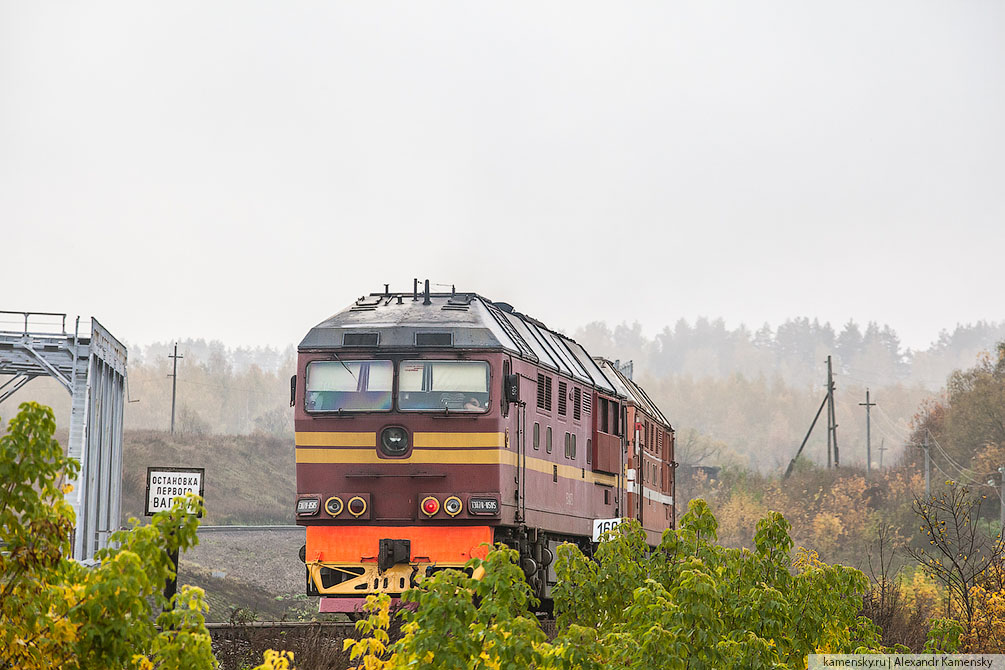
point(359, 386)
point(455, 386)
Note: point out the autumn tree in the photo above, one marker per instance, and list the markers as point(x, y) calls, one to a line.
point(57, 613)
point(689, 603)
point(969, 424)
point(694, 603)
point(956, 550)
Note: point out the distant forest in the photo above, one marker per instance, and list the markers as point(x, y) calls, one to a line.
point(735, 396)
point(793, 352)
point(747, 398)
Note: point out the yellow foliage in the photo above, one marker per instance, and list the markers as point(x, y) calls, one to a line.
point(920, 592)
point(827, 531)
point(987, 632)
point(806, 559)
point(846, 495)
point(738, 519)
point(989, 458)
point(372, 646)
point(276, 660)
point(141, 662)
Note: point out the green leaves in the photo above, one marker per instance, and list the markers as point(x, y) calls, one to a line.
point(944, 636)
point(712, 606)
point(463, 622)
point(688, 604)
point(54, 612)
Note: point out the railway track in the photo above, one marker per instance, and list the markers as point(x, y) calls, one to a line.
point(246, 631)
point(316, 644)
point(336, 629)
point(250, 529)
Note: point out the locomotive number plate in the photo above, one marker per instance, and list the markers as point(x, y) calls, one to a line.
point(308, 506)
point(601, 526)
point(483, 506)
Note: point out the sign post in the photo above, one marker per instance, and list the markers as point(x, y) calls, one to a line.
point(163, 486)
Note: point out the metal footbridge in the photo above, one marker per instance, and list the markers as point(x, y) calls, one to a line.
point(91, 365)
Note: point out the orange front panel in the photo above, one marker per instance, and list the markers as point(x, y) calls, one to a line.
point(430, 544)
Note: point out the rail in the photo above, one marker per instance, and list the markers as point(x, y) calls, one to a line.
point(341, 629)
point(238, 631)
point(248, 529)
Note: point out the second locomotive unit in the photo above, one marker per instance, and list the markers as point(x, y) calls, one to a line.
point(432, 425)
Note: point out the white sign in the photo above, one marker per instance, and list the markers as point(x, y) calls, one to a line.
point(601, 526)
point(166, 484)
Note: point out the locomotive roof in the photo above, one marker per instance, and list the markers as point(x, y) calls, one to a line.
point(628, 388)
point(400, 320)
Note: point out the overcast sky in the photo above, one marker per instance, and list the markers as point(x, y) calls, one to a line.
point(241, 170)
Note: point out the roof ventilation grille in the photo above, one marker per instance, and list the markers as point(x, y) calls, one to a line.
point(434, 339)
point(360, 339)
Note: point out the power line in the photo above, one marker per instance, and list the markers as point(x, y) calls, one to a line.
point(904, 435)
point(947, 456)
point(887, 436)
point(948, 477)
point(963, 471)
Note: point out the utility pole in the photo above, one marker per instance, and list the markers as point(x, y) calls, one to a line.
point(832, 435)
point(174, 382)
point(868, 434)
point(830, 414)
point(828, 402)
point(882, 448)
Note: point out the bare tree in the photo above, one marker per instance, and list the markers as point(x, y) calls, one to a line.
point(691, 447)
point(960, 554)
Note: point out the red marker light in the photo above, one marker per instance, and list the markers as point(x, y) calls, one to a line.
point(356, 506)
point(430, 506)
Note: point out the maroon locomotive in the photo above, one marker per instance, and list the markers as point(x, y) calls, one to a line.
point(429, 426)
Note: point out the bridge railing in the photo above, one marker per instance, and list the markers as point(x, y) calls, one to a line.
point(44, 322)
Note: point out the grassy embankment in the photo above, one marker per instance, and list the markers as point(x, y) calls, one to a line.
point(250, 480)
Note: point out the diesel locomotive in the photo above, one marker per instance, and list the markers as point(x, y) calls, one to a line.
point(430, 426)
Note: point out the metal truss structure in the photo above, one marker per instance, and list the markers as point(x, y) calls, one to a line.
point(92, 368)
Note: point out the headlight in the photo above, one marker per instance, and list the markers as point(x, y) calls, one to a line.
point(334, 506)
point(394, 441)
point(452, 505)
